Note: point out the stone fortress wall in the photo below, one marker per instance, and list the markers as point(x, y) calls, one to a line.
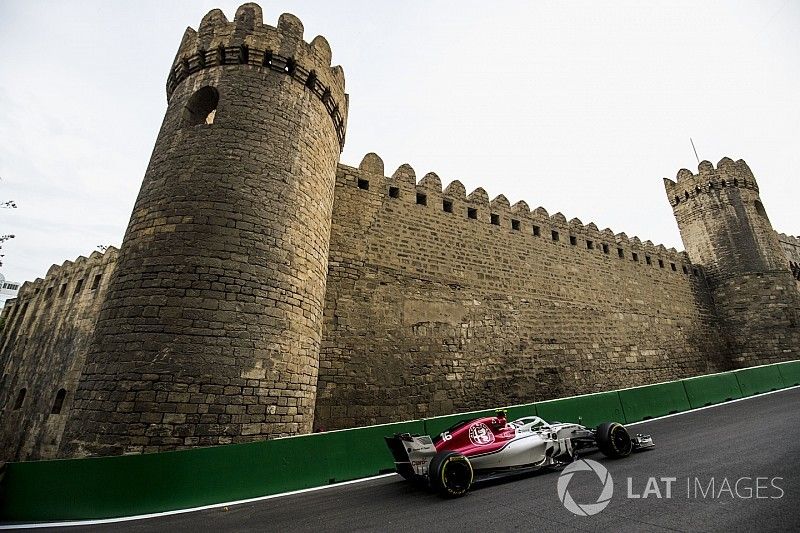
point(791, 248)
point(264, 289)
point(440, 301)
point(220, 284)
point(43, 345)
point(427, 311)
point(725, 227)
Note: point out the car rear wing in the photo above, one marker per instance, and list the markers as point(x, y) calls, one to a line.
point(412, 453)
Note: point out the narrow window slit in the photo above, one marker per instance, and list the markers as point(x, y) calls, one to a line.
point(311, 80)
point(20, 398)
point(58, 403)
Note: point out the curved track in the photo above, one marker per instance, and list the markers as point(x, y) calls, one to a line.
point(753, 438)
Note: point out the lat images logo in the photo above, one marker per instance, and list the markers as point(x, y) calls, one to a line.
point(585, 509)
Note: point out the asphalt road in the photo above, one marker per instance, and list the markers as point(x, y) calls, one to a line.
point(755, 442)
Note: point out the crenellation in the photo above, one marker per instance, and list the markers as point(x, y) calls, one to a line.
point(479, 198)
point(521, 208)
point(371, 163)
point(247, 41)
point(444, 254)
point(291, 292)
point(430, 184)
point(693, 186)
point(456, 191)
point(726, 230)
point(405, 174)
point(44, 347)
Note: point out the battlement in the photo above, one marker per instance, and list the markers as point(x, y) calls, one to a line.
point(248, 41)
point(727, 174)
point(56, 273)
point(476, 206)
point(789, 239)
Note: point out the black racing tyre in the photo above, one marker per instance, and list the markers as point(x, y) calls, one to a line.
point(450, 474)
point(613, 440)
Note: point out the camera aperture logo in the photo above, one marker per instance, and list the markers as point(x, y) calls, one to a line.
point(666, 488)
point(585, 509)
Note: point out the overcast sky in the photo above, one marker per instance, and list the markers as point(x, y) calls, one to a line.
point(580, 107)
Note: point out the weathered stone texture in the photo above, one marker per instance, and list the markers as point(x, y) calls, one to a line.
point(47, 330)
point(725, 227)
point(430, 312)
point(262, 290)
point(791, 248)
point(211, 329)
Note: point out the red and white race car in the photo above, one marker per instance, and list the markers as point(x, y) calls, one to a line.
point(491, 447)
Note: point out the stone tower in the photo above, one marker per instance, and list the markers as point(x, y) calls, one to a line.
point(211, 329)
point(725, 228)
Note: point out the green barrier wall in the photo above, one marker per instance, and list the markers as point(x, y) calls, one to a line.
point(790, 372)
point(589, 410)
point(758, 379)
point(138, 484)
point(650, 401)
point(708, 390)
point(518, 411)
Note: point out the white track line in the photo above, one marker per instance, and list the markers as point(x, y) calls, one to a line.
point(313, 489)
point(188, 510)
point(712, 406)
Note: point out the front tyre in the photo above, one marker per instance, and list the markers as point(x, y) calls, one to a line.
point(613, 440)
point(451, 474)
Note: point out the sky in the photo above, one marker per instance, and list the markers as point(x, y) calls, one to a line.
point(579, 107)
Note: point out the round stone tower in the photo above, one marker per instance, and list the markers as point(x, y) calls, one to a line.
point(725, 228)
point(211, 330)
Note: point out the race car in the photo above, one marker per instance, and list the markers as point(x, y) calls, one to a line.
point(490, 447)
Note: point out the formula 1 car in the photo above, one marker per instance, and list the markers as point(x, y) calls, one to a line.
point(491, 447)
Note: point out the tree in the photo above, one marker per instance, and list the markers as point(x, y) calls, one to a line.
point(4, 238)
point(8, 204)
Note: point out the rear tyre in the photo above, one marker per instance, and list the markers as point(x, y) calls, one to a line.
point(451, 474)
point(613, 440)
